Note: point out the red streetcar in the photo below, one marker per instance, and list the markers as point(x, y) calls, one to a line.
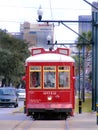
point(49, 80)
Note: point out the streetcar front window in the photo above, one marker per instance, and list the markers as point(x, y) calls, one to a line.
point(64, 76)
point(35, 77)
point(49, 77)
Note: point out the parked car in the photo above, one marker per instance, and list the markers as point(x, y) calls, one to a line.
point(8, 97)
point(21, 93)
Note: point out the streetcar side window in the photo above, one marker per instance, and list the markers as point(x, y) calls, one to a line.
point(49, 77)
point(64, 76)
point(35, 77)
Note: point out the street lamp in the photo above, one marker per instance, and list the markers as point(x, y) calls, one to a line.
point(40, 13)
point(49, 39)
point(49, 42)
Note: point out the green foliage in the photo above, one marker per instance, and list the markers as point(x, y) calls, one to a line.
point(13, 53)
point(85, 39)
point(76, 57)
point(85, 35)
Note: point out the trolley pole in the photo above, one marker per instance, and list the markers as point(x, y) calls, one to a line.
point(97, 65)
point(79, 96)
point(83, 87)
point(95, 45)
point(93, 65)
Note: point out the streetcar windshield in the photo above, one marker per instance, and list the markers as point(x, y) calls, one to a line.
point(49, 76)
point(64, 76)
point(35, 77)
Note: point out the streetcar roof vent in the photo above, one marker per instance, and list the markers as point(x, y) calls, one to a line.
point(36, 51)
point(64, 51)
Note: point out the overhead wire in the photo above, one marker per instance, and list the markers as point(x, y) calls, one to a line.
point(34, 7)
point(51, 9)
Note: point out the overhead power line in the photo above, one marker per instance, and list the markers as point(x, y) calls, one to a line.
point(51, 9)
point(32, 7)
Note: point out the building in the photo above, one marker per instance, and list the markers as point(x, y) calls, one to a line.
point(17, 35)
point(36, 34)
point(96, 5)
point(85, 27)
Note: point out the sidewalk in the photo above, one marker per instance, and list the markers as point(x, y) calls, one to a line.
point(83, 121)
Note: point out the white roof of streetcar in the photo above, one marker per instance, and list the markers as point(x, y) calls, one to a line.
point(49, 57)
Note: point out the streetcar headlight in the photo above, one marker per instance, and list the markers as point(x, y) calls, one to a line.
point(49, 98)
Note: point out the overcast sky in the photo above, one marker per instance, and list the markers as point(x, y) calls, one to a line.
point(14, 12)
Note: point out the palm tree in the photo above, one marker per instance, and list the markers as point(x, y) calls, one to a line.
point(85, 38)
point(84, 44)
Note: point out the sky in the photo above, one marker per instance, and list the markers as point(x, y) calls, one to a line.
point(15, 12)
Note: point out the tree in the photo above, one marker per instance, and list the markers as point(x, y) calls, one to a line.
point(86, 35)
point(13, 53)
point(76, 57)
point(85, 44)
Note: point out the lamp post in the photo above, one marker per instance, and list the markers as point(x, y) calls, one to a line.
point(40, 13)
point(49, 39)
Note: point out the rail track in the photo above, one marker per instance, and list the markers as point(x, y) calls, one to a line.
point(24, 124)
point(29, 124)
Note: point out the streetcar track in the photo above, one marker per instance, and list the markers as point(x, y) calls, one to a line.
point(66, 125)
point(17, 125)
point(26, 127)
point(27, 123)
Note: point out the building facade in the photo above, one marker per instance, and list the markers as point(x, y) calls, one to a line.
point(36, 34)
point(96, 5)
point(84, 27)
